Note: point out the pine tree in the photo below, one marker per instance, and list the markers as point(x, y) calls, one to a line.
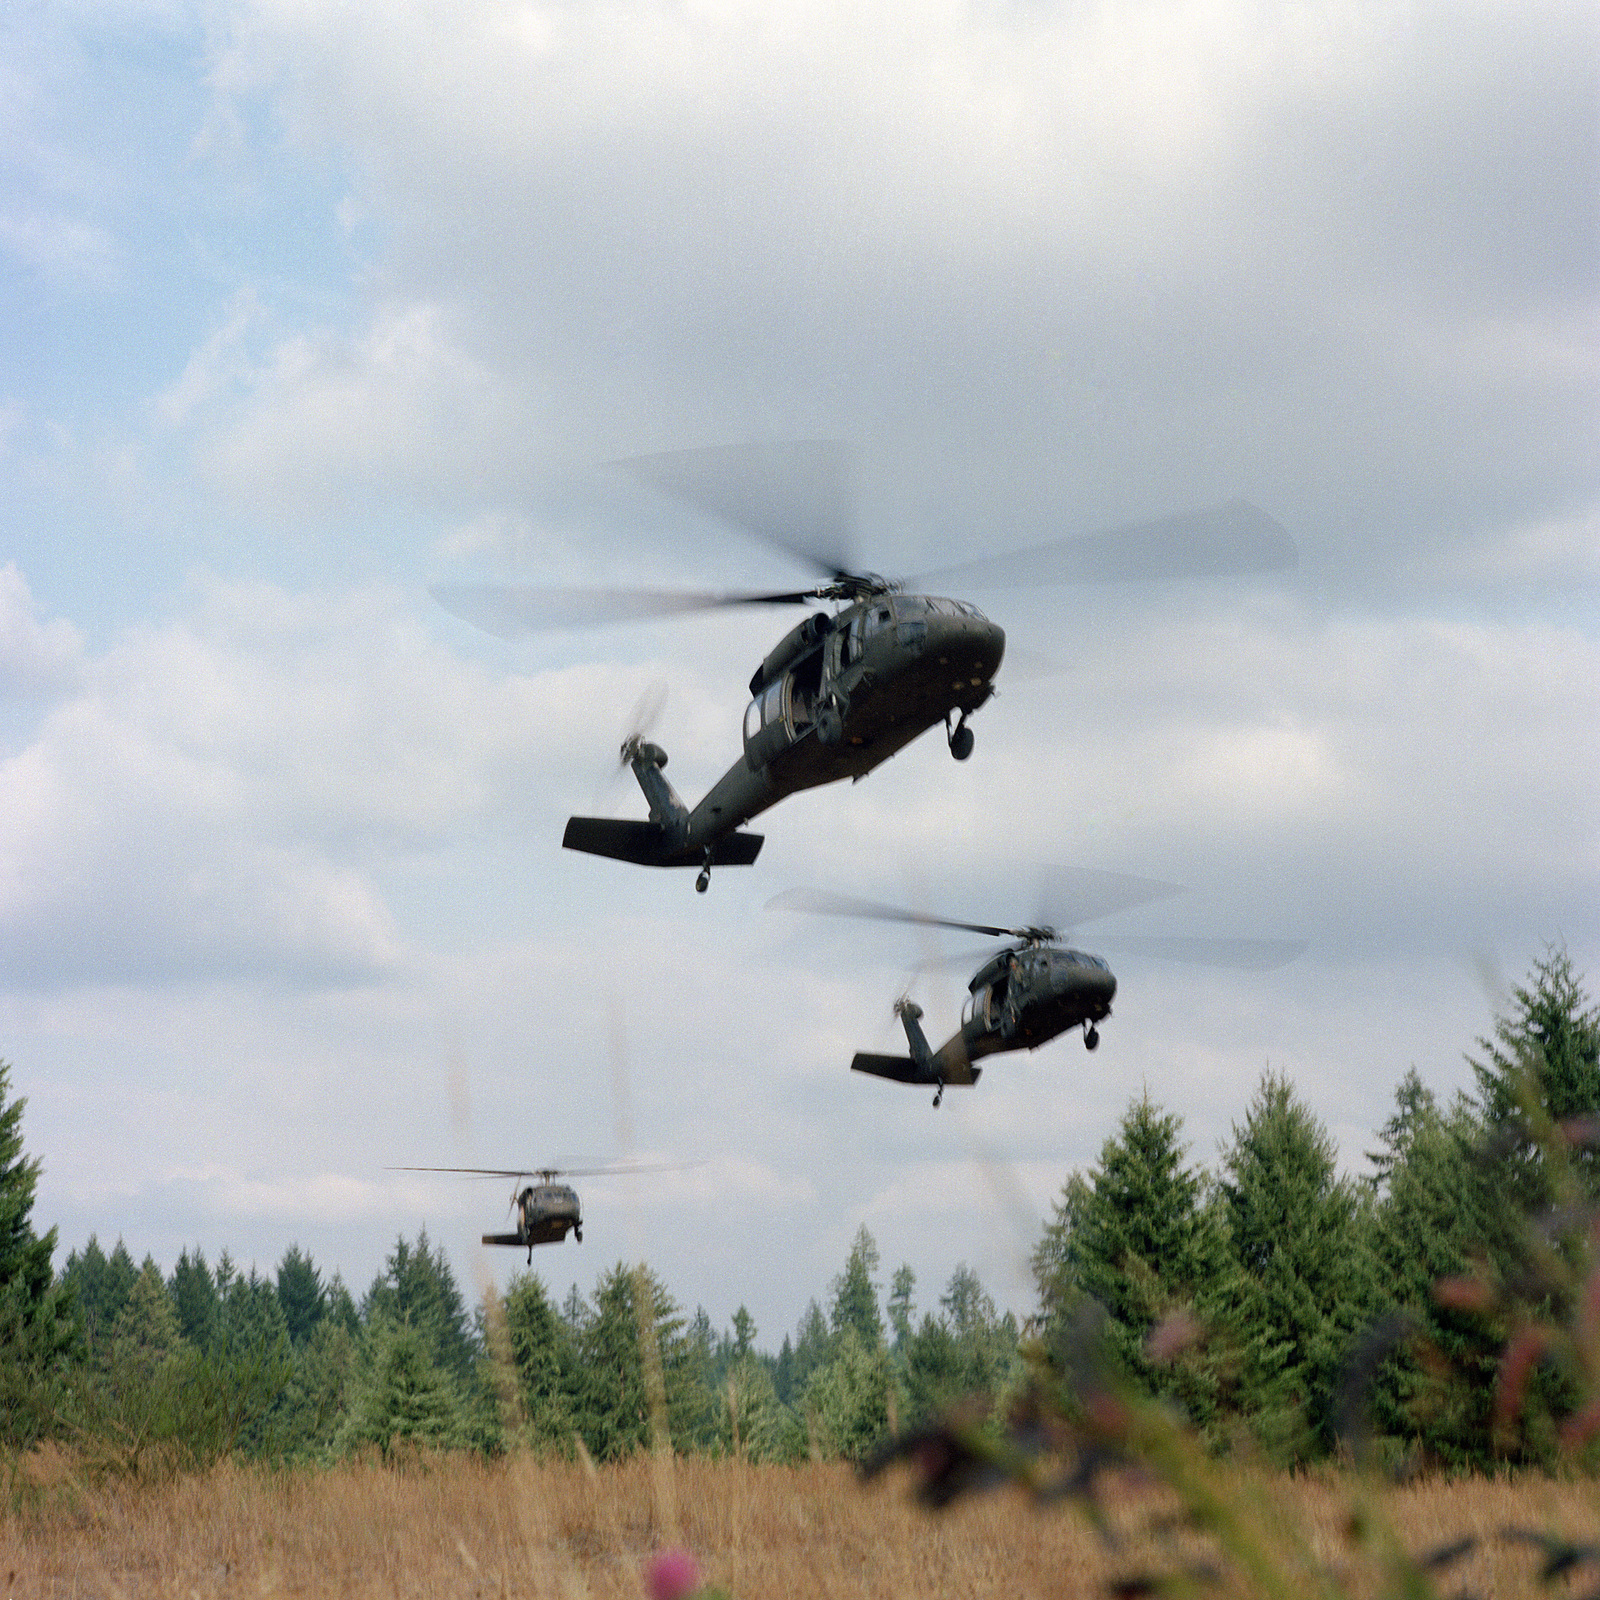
point(146, 1335)
point(847, 1402)
point(1141, 1237)
point(1542, 1060)
point(401, 1394)
point(301, 1295)
point(901, 1310)
point(1428, 1226)
point(100, 1287)
point(813, 1347)
point(744, 1334)
point(934, 1371)
point(38, 1331)
point(544, 1360)
point(418, 1289)
point(855, 1294)
point(1301, 1283)
point(986, 1342)
point(194, 1298)
point(616, 1410)
point(341, 1307)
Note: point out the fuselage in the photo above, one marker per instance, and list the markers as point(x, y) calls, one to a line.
point(1022, 999)
point(890, 668)
point(545, 1214)
point(835, 697)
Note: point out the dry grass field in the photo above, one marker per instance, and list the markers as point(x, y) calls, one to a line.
point(459, 1526)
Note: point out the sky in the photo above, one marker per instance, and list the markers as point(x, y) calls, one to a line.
point(309, 306)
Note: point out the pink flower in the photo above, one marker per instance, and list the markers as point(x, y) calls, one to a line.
point(672, 1575)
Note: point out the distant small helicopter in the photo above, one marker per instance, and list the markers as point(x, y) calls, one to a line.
point(1039, 987)
point(545, 1209)
point(841, 692)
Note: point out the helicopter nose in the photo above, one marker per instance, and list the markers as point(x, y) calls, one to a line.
point(970, 646)
point(1090, 984)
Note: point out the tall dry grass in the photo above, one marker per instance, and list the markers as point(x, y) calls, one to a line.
point(460, 1526)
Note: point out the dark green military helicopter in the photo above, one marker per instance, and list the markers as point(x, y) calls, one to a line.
point(843, 690)
point(545, 1210)
point(1039, 987)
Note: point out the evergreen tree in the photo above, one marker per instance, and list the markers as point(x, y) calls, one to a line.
point(855, 1294)
point(401, 1394)
point(194, 1298)
point(616, 1408)
point(575, 1310)
point(1543, 1059)
point(322, 1381)
point(1428, 1226)
point(341, 1307)
point(901, 1309)
point(301, 1295)
point(1301, 1282)
point(418, 1290)
point(783, 1375)
point(986, 1343)
point(1415, 1109)
point(146, 1335)
point(744, 1334)
point(847, 1402)
point(38, 1331)
point(754, 1425)
point(100, 1287)
point(1140, 1236)
point(1054, 1263)
point(250, 1321)
point(544, 1360)
point(934, 1375)
point(813, 1346)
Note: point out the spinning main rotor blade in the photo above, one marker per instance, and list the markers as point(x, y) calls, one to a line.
point(1249, 955)
point(796, 494)
point(1221, 542)
point(555, 1172)
point(511, 610)
point(1073, 895)
point(843, 905)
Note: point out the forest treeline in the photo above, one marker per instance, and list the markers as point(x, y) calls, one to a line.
point(1246, 1293)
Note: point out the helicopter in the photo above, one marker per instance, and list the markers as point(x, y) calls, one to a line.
point(843, 690)
point(1037, 988)
point(545, 1210)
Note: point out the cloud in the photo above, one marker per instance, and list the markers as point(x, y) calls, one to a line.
point(35, 658)
point(321, 418)
point(1054, 264)
point(217, 796)
point(61, 247)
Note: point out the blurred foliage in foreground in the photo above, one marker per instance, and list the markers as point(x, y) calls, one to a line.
point(1443, 1313)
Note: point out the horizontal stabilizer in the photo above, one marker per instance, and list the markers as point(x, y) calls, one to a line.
point(645, 844)
point(902, 1069)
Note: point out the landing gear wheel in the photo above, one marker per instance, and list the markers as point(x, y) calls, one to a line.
point(703, 882)
point(1091, 1037)
point(961, 739)
point(830, 725)
point(577, 1234)
point(938, 1096)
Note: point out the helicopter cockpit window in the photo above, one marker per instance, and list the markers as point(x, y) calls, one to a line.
point(752, 719)
point(772, 703)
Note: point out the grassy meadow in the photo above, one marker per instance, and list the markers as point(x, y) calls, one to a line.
point(458, 1525)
